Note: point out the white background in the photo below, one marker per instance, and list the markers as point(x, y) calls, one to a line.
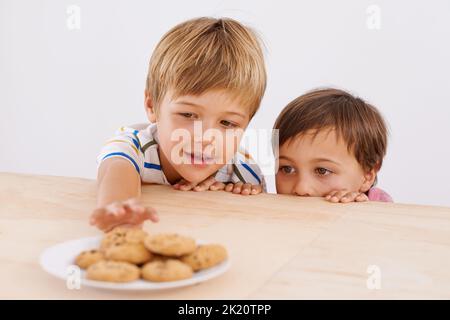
point(64, 92)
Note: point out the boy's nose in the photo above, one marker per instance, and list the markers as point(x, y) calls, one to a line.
point(207, 134)
point(302, 188)
point(202, 142)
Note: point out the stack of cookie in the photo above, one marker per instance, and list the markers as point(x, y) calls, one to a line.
point(129, 254)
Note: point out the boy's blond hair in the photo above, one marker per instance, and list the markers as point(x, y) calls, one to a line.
point(204, 54)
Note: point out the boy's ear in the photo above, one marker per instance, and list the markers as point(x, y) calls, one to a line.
point(149, 107)
point(369, 179)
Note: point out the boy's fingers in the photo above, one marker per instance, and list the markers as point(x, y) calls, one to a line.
point(131, 201)
point(256, 189)
point(130, 218)
point(246, 189)
point(187, 186)
point(362, 197)
point(330, 196)
point(229, 187)
point(204, 185)
point(153, 217)
point(130, 212)
point(199, 188)
point(138, 208)
point(152, 214)
point(115, 208)
point(237, 187)
point(179, 184)
point(332, 193)
point(138, 218)
point(217, 186)
point(112, 226)
point(106, 225)
point(208, 182)
point(141, 212)
point(96, 215)
point(102, 218)
point(337, 196)
point(349, 197)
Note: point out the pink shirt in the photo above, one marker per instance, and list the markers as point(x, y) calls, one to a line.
point(376, 194)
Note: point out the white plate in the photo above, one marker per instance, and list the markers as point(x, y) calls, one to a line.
point(59, 262)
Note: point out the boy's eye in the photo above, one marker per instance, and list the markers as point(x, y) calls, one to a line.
point(188, 115)
point(228, 124)
point(322, 171)
point(287, 169)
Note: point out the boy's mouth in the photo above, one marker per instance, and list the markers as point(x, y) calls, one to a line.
point(198, 159)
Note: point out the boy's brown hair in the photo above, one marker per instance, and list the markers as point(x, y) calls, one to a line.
point(206, 53)
point(359, 124)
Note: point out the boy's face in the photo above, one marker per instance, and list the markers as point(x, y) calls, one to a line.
point(316, 167)
point(192, 132)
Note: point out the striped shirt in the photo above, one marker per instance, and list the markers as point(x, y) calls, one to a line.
point(138, 144)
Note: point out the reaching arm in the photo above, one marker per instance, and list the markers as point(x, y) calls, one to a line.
point(118, 204)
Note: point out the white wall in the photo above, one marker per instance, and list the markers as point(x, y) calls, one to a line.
point(63, 92)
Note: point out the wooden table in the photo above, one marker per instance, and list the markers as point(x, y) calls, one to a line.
point(281, 247)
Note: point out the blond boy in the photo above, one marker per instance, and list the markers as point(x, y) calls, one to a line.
point(206, 78)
